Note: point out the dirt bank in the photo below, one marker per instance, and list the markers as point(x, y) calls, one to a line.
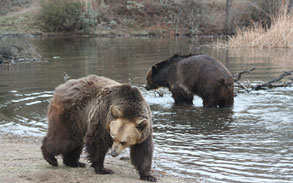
point(124, 18)
point(21, 161)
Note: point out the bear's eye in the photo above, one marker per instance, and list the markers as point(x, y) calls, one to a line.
point(123, 143)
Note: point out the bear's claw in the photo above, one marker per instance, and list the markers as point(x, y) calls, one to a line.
point(148, 178)
point(52, 161)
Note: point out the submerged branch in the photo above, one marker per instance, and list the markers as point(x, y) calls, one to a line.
point(269, 84)
point(238, 76)
point(274, 83)
point(242, 86)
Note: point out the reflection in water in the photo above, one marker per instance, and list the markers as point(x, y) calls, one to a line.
point(239, 145)
point(24, 113)
point(250, 143)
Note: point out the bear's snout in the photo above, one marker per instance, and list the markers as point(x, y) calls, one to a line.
point(147, 87)
point(115, 150)
point(114, 153)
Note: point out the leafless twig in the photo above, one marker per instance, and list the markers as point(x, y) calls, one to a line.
point(238, 76)
point(242, 86)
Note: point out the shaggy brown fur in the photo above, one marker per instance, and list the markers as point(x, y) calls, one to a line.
point(188, 75)
point(81, 110)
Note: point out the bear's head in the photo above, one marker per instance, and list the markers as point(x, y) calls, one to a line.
point(128, 117)
point(158, 74)
point(151, 80)
point(125, 131)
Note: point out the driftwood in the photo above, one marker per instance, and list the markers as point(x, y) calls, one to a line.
point(238, 76)
point(274, 83)
point(241, 85)
point(270, 84)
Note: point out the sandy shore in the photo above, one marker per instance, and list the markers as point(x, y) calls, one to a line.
point(21, 161)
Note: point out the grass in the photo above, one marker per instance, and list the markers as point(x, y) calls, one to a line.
point(16, 24)
point(279, 35)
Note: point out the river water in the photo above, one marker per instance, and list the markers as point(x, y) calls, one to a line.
point(252, 142)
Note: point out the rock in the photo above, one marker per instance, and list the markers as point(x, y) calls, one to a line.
point(17, 48)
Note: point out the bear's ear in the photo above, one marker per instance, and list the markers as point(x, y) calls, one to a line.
point(116, 112)
point(154, 70)
point(142, 124)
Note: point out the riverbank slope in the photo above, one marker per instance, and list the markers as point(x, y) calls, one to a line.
point(21, 161)
point(124, 18)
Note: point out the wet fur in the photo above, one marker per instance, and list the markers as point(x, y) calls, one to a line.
point(79, 112)
point(188, 75)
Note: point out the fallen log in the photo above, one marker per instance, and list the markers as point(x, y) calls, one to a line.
point(270, 84)
point(274, 83)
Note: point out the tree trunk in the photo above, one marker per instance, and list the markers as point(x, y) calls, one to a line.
point(229, 24)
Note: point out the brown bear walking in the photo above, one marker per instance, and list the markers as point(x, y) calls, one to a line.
point(104, 114)
point(188, 75)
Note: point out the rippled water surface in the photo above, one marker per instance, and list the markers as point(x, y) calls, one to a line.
point(253, 142)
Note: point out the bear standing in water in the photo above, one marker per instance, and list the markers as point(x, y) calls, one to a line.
point(105, 114)
point(188, 75)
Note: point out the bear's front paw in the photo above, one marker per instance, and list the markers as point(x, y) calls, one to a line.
point(103, 171)
point(52, 161)
point(148, 178)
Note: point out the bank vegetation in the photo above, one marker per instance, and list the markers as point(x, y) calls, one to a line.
point(278, 34)
point(135, 17)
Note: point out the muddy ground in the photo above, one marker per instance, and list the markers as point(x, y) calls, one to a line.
point(21, 161)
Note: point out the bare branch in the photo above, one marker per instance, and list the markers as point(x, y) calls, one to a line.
point(242, 86)
point(238, 76)
point(269, 83)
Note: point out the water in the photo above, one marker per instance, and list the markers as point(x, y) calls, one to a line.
point(253, 142)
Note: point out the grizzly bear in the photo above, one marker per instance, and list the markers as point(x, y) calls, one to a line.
point(102, 114)
point(188, 75)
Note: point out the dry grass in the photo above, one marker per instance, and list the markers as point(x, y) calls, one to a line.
point(279, 35)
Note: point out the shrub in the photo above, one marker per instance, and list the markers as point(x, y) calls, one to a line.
point(60, 16)
point(88, 20)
